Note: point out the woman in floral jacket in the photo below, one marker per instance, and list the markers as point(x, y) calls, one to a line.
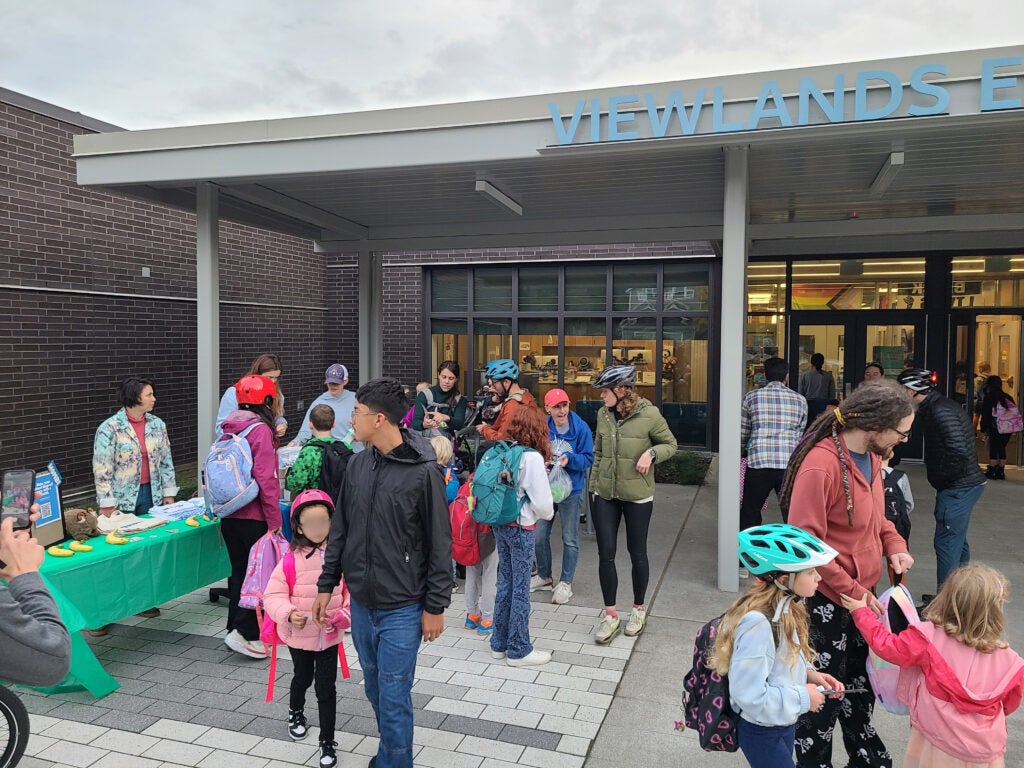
point(131, 457)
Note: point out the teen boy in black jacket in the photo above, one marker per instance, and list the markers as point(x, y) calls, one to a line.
point(391, 538)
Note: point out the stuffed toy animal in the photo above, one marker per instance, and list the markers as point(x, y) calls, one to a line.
point(81, 524)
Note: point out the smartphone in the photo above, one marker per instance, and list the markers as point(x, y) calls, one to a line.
point(19, 487)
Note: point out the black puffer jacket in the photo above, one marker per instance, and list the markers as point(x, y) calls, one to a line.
point(949, 453)
point(391, 536)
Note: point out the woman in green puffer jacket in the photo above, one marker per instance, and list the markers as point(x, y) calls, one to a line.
point(632, 436)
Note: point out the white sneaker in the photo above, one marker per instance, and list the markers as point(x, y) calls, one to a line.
point(606, 630)
point(254, 649)
point(498, 654)
point(533, 659)
point(637, 622)
point(562, 593)
point(540, 583)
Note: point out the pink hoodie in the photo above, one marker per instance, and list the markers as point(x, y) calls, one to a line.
point(279, 604)
point(958, 697)
point(266, 506)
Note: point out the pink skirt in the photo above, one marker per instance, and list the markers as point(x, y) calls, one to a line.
point(921, 754)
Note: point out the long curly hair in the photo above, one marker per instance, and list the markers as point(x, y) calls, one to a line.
point(872, 407)
point(529, 427)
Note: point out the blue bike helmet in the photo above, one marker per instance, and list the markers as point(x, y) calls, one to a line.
point(497, 370)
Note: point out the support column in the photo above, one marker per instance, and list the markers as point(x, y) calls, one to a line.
point(207, 314)
point(730, 374)
point(371, 294)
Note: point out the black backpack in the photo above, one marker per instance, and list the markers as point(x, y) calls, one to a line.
point(706, 707)
point(333, 463)
point(896, 503)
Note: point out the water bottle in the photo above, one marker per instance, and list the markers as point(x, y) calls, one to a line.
point(349, 438)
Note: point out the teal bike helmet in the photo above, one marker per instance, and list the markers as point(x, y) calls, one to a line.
point(498, 370)
point(775, 547)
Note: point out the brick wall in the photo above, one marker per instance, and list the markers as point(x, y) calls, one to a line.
point(68, 341)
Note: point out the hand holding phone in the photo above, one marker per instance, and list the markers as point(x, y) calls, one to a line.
point(18, 492)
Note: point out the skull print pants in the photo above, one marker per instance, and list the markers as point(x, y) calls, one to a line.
point(842, 653)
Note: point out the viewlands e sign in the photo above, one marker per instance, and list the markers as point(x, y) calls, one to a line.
point(876, 94)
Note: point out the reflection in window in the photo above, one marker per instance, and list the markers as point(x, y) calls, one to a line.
point(766, 337)
point(634, 342)
point(538, 355)
point(449, 341)
point(586, 289)
point(448, 290)
point(586, 340)
point(635, 288)
point(684, 378)
point(491, 341)
point(988, 281)
point(538, 289)
point(766, 287)
point(858, 284)
point(685, 288)
point(492, 290)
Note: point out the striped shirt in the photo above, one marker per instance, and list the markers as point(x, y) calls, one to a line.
point(773, 421)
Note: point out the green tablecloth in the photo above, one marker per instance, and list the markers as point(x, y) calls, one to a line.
point(114, 581)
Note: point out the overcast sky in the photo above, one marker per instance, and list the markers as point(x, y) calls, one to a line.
point(142, 64)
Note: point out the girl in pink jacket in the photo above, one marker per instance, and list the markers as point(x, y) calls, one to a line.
point(958, 677)
point(313, 649)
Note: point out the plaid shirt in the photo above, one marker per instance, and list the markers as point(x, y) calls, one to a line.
point(773, 422)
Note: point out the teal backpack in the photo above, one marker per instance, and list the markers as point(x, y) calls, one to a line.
point(495, 484)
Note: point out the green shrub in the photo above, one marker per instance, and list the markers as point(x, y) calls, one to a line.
point(685, 468)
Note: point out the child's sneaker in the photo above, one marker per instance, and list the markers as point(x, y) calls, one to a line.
point(562, 593)
point(484, 630)
point(328, 758)
point(297, 724)
point(637, 622)
point(607, 629)
point(540, 583)
point(472, 621)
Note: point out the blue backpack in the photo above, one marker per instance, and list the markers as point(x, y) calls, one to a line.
point(495, 484)
point(228, 484)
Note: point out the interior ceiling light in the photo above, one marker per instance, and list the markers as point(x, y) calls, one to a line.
point(887, 173)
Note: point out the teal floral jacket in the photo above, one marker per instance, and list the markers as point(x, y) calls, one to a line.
point(117, 462)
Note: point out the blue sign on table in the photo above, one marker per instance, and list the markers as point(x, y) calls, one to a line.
point(49, 501)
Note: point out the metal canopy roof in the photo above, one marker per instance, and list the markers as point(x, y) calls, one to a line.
point(401, 179)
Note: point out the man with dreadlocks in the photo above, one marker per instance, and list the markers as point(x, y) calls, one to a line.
point(834, 491)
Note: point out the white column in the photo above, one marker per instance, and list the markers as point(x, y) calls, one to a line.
point(731, 333)
point(207, 314)
point(371, 337)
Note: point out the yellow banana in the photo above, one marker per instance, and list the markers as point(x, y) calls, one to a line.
point(192, 521)
point(77, 546)
point(113, 538)
point(58, 551)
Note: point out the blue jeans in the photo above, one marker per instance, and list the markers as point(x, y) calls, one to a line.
point(144, 501)
point(953, 508)
point(387, 642)
point(511, 632)
point(767, 746)
point(569, 512)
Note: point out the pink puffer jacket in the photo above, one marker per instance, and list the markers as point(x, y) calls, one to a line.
point(279, 605)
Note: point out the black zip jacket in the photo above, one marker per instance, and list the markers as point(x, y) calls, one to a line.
point(390, 535)
point(949, 453)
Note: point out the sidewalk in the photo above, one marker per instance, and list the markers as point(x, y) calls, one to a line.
point(186, 700)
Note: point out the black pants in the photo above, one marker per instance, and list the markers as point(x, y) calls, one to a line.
point(997, 445)
point(757, 484)
point(239, 536)
point(842, 653)
point(607, 515)
point(319, 669)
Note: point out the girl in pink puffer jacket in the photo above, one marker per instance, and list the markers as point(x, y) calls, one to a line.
point(313, 650)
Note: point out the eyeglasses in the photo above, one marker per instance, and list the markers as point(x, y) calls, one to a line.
point(901, 433)
point(365, 413)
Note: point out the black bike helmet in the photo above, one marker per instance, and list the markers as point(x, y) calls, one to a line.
point(616, 376)
point(918, 379)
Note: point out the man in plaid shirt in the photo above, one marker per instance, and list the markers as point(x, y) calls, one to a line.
point(772, 424)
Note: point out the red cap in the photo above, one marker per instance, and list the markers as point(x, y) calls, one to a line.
point(555, 396)
point(254, 390)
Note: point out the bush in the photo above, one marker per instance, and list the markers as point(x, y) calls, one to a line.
point(685, 468)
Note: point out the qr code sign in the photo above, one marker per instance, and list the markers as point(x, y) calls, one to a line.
point(44, 510)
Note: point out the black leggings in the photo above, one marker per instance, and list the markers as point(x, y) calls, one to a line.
point(239, 536)
point(997, 445)
point(607, 514)
point(320, 669)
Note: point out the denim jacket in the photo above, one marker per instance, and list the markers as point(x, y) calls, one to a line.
point(117, 462)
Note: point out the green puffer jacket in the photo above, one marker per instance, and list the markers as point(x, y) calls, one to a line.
point(618, 446)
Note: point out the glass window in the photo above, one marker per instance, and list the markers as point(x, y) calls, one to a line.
point(538, 289)
point(684, 378)
point(634, 342)
point(586, 340)
point(492, 340)
point(635, 288)
point(858, 284)
point(766, 287)
point(492, 290)
point(538, 355)
point(586, 289)
point(449, 341)
point(685, 288)
point(448, 290)
point(766, 335)
point(988, 281)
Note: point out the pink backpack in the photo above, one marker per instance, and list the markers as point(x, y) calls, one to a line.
point(268, 628)
point(898, 613)
point(263, 558)
point(1008, 418)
